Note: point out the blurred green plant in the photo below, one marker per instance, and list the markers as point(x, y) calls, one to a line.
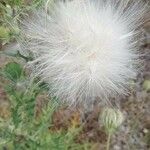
point(23, 129)
point(146, 85)
point(11, 12)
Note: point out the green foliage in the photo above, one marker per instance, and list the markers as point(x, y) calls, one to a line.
point(11, 12)
point(13, 71)
point(24, 130)
point(4, 32)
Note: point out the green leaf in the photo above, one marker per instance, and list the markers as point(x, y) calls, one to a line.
point(4, 33)
point(13, 71)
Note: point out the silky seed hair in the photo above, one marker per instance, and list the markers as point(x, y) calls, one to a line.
point(85, 49)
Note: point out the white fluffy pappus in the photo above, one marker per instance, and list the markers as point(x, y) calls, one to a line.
point(86, 48)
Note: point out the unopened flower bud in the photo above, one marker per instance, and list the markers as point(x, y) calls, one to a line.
point(111, 119)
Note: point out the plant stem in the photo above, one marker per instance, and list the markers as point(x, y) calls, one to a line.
point(108, 141)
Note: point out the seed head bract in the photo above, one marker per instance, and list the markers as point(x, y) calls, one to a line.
point(85, 49)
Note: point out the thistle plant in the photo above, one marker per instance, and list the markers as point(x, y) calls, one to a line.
point(85, 49)
point(81, 49)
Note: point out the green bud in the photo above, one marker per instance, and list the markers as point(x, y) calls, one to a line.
point(146, 85)
point(111, 119)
